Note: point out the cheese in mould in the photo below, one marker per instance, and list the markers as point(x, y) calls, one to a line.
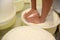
point(28, 33)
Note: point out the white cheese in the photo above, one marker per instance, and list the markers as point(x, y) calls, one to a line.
point(28, 33)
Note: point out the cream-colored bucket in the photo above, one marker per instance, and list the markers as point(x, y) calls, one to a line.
point(8, 21)
point(28, 33)
point(7, 14)
point(50, 25)
point(19, 4)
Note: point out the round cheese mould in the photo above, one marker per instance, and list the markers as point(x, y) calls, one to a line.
point(19, 4)
point(50, 24)
point(7, 19)
point(28, 33)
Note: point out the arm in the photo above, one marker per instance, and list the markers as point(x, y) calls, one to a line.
point(35, 18)
point(33, 4)
point(46, 6)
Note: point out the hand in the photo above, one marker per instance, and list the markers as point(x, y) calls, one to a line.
point(32, 16)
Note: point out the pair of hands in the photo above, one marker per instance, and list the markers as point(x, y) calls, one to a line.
point(33, 17)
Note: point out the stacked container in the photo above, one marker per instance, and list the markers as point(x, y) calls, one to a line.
point(7, 14)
